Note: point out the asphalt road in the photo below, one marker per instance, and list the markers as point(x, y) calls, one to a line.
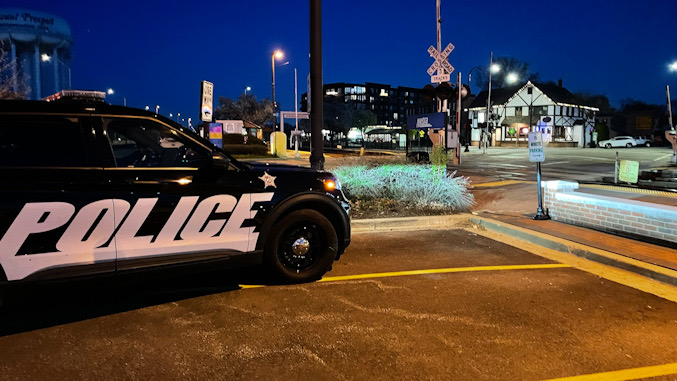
point(582, 164)
point(482, 310)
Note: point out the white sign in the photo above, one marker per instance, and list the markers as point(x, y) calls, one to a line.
point(441, 64)
point(231, 126)
point(206, 104)
point(536, 151)
point(290, 114)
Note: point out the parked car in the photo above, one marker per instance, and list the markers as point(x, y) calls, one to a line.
point(93, 189)
point(618, 141)
point(642, 141)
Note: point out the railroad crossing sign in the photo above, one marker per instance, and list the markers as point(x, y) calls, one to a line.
point(441, 64)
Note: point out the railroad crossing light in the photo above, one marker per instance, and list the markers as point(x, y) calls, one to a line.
point(428, 93)
point(443, 90)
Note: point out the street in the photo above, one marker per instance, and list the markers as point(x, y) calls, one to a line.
point(578, 164)
point(435, 304)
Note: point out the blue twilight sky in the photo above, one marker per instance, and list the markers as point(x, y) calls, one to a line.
point(157, 52)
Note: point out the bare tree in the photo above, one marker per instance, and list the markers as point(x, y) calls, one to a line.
point(13, 84)
point(507, 66)
point(246, 108)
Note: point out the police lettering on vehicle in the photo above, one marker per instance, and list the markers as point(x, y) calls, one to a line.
point(106, 230)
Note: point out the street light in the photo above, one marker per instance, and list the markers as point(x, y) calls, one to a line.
point(248, 88)
point(495, 68)
point(512, 78)
point(276, 54)
point(673, 66)
point(157, 109)
point(46, 58)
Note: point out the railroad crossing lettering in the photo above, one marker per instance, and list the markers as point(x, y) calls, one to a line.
point(441, 64)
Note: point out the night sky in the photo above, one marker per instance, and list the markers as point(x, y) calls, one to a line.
point(157, 52)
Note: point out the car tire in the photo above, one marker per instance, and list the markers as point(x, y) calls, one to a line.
point(302, 248)
point(608, 145)
point(629, 145)
point(647, 144)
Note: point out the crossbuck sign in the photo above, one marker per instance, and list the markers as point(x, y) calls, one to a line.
point(441, 64)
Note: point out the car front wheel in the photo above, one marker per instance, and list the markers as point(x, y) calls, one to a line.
point(629, 145)
point(608, 145)
point(302, 248)
point(647, 144)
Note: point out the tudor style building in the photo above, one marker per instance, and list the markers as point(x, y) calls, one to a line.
point(545, 107)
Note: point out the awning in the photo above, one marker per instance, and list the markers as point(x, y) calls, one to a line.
point(386, 131)
point(510, 120)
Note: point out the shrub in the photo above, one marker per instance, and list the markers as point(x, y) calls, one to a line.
point(239, 139)
point(427, 186)
point(246, 149)
point(439, 156)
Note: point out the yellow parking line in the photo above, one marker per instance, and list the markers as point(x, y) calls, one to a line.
point(501, 183)
point(626, 374)
point(433, 271)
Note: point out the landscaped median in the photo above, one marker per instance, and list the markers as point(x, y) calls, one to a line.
point(403, 190)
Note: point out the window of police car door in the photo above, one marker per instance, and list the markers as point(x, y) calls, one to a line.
point(143, 143)
point(41, 141)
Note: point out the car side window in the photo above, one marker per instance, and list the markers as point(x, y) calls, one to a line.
point(143, 143)
point(49, 141)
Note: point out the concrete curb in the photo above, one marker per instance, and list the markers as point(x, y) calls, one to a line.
point(450, 221)
point(658, 273)
point(460, 221)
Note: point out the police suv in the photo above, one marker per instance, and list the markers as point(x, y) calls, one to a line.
point(90, 188)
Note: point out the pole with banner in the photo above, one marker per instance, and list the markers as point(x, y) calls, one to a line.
point(537, 154)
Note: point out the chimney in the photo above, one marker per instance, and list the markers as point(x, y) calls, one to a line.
point(559, 83)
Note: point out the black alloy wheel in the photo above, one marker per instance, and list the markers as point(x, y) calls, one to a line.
point(302, 248)
point(608, 145)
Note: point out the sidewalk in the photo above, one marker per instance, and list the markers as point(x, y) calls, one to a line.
point(512, 217)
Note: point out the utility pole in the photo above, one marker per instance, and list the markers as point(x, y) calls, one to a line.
point(317, 116)
point(486, 125)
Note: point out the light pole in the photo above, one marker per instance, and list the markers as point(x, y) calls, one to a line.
point(110, 91)
point(276, 54)
point(248, 88)
point(486, 120)
point(157, 109)
point(495, 68)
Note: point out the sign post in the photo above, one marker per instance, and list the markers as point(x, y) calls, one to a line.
point(537, 154)
point(206, 102)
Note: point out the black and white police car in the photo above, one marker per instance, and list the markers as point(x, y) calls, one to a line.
point(90, 188)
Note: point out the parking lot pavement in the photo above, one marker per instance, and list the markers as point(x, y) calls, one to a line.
point(427, 304)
